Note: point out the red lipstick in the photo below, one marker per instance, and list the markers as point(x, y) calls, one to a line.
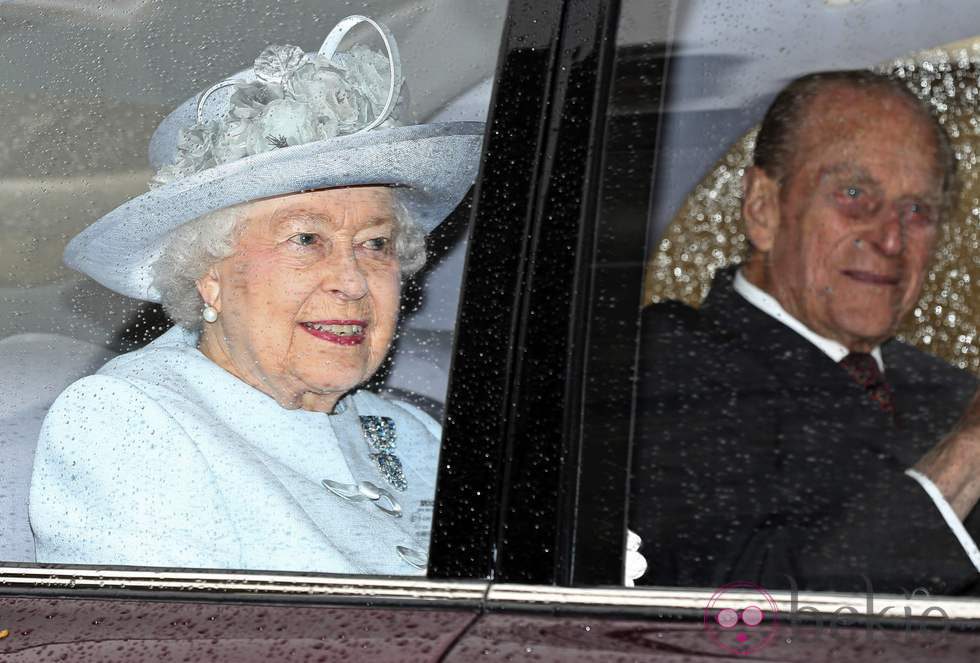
point(341, 332)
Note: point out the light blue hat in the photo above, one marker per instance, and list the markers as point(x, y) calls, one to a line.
point(293, 122)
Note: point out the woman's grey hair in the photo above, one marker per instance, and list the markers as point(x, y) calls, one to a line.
point(199, 244)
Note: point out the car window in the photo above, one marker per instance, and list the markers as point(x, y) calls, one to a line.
point(89, 89)
point(802, 375)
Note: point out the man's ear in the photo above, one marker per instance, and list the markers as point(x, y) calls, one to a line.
point(209, 287)
point(760, 208)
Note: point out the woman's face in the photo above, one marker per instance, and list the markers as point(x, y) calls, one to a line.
point(308, 303)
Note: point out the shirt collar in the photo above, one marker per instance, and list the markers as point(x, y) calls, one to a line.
point(768, 305)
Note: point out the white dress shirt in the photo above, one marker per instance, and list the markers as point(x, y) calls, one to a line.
point(768, 305)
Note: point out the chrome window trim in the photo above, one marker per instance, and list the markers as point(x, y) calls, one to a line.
point(683, 600)
point(375, 589)
point(470, 593)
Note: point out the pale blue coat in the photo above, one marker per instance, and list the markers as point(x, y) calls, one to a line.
point(164, 459)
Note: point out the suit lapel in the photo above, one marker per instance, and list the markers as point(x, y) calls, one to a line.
point(929, 395)
point(791, 359)
point(826, 403)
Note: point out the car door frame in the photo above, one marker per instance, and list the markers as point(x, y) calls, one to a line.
point(530, 515)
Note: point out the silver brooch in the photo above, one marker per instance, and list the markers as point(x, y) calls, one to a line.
point(380, 434)
point(365, 490)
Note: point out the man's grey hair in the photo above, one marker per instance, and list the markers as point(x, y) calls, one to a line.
point(778, 138)
point(196, 246)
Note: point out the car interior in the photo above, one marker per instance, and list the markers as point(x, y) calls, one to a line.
point(677, 98)
point(727, 61)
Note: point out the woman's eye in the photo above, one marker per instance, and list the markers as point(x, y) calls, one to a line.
point(304, 239)
point(852, 192)
point(376, 244)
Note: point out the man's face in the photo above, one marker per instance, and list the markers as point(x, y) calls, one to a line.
point(856, 217)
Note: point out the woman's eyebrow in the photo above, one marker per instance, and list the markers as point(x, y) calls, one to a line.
point(293, 216)
point(378, 220)
point(300, 215)
point(281, 220)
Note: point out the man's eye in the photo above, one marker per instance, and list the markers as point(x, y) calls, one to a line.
point(918, 212)
point(855, 201)
point(305, 239)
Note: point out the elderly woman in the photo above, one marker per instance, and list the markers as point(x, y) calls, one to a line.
point(288, 207)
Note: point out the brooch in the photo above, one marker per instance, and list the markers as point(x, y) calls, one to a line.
point(365, 490)
point(380, 434)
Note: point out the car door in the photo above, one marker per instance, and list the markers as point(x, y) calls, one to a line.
point(530, 528)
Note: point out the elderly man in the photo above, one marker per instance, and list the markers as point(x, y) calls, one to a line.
point(784, 437)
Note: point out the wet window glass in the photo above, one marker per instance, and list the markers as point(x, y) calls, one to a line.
point(808, 352)
point(232, 246)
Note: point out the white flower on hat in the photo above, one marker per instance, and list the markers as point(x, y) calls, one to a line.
point(195, 152)
point(283, 122)
point(342, 107)
point(276, 62)
point(295, 100)
point(231, 141)
point(368, 72)
point(249, 99)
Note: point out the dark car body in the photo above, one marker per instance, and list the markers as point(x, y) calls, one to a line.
point(530, 525)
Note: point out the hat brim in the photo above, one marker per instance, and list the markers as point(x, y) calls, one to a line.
point(432, 165)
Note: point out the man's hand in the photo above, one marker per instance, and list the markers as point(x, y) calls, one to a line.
point(954, 464)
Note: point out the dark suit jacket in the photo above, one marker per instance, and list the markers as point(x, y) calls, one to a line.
point(758, 458)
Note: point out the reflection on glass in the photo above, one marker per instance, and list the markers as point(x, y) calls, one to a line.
point(785, 437)
point(288, 204)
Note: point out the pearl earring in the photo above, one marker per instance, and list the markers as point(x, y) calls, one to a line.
point(210, 313)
